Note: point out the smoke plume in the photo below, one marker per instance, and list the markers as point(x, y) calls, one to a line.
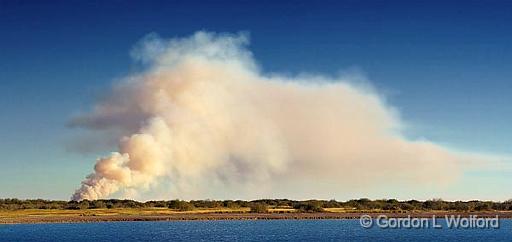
point(203, 119)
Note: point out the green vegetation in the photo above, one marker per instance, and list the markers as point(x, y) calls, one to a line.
point(181, 205)
point(259, 207)
point(310, 206)
point(264, 205)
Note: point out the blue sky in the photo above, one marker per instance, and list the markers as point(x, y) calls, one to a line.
point(446, 66)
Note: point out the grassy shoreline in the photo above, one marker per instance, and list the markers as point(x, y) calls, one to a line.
point(14, 211)
point(28, 216)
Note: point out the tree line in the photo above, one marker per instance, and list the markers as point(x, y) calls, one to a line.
point(262, 205)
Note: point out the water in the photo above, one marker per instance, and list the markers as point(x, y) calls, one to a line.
point(256, 230)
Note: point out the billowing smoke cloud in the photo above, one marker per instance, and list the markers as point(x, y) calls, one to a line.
point(203, 119)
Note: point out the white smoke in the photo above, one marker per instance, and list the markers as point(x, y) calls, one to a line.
point(203, 117)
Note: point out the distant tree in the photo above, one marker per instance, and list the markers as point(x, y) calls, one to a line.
point(181, 205)
point(83, 204)
point(98, 204)
point(206, 203)
point(435, 204)
point(483, 206)
point(331, 204)
point(258, 207)
point(230, 204)
point(308, 206)
point(406, 207)
point(161, 204)
point(72, 205)
point(109, 204)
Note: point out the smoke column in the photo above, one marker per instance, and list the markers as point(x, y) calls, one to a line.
point(203, 119)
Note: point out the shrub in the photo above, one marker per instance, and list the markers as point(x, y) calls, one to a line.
point(258, 207)
point(98, 204)
point(181, 205)
point(308, 207)
point(83, 204)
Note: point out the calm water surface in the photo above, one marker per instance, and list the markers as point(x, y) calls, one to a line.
point(259, 230)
